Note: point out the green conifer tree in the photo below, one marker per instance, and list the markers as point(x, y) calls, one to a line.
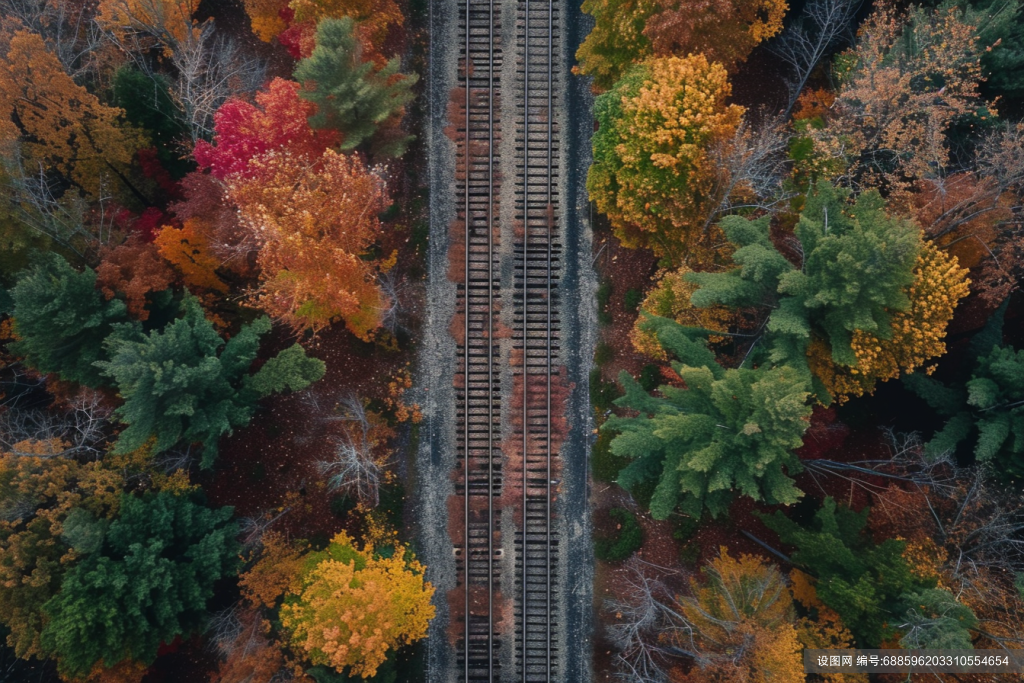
point(185, 384)
point(861, 581)
point(352, 96)
point(856, 262)
point(729, 431)
point(148, 582)
point(62, 320)
point(987, 411)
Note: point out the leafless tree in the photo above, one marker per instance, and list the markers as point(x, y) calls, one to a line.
point(753, 164)
point(906, 464)
point(252, 529)
point(392, 286)
point(40, 203)
point(648, 624)
point(354, 466)
point(823, 25)
point(996, 184)
point(210, 68)
point(81, 430)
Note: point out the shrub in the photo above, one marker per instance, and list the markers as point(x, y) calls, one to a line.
point(623, 544)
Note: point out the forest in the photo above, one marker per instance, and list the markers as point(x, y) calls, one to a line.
point(807, 395)
point(206, 342)
point(808, 384)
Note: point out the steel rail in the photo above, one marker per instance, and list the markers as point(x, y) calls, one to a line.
point(526, 333)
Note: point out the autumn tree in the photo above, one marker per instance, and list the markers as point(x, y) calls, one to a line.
point(62, 320)
point(188, 249)
point(907, 83)
point(821, 27)
point(728, 431)
point(214, 224)
point(354, 96)
point(146, 580)
point(626, 32)
point(55, 510)
point(139, 24)
point(652, 172)
point(670, 298)
point(375, 20)
point(354, 606)
point(60, 126)
point(265, 17)
point(741, 606)
point(968, 532)
point(38, 491)
point(316, 224)
point(135, 271)
point(915, 336)
point(857, 265)
point(183, 383)
point(277, 121)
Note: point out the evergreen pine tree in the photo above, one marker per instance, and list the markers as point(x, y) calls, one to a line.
point(184, 383)
point(352, 96)
point(728, 431)
point(985, 413)
point(62, 320)
point(148, 582)
point(856, 262)
point(861, 581)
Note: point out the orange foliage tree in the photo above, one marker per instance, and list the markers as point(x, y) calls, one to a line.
point(354, 606)
point(915, 335)
point(653, 173)
point(188, 249)
point(628, 31)
point(316, 223)
point(905, 83)
point(61, 127)
point(135, 270)
point(294, 22)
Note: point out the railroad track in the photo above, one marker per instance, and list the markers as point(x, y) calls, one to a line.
point(530, 460)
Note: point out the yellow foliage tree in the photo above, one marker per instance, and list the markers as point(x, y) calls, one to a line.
point(265, 18)
point(917, 334)
point(168, 22)
point(188, 249)
point(743, 624)
point(670, 298)
point(353, 607)
point(653, 173)
point(59, 125)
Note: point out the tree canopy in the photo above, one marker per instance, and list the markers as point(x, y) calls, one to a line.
point(728, 431)
point(354, 606)
point(62, 320)
point(147, 582)
point(353, 96)
point(183, 383)
point(653, 174)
